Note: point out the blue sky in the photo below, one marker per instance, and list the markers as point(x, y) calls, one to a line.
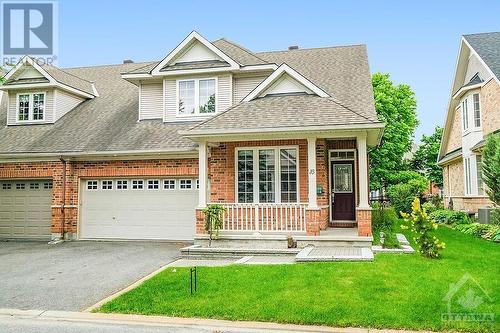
point(415, 41)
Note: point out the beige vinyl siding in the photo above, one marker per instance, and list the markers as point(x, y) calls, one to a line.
point(64, 103)
point(170, 100)
point(224, 90)
point(475, 66)
point(151, 101)
point(224, 94)
point(244, 85)
point(49, 106)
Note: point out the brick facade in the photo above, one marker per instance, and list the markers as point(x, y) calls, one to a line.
point(221, 173)
point(490, 107)
point(77, 170)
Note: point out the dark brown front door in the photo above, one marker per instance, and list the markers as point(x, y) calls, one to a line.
point(343, 197)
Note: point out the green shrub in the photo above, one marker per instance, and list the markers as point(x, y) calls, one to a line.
point(429, 207)
point(486, 231)
point(402, 177)
point(422, 226)
point(383, 219)
point(451, 217)
point(495, 216)
point(402, 195)
point(437, 201)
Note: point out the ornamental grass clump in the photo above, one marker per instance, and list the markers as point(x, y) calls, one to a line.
point(422, 226)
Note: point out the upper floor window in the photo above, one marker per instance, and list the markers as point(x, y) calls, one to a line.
point(196, 97)
point(31, 107)
point(465, 115)
point(477, 111)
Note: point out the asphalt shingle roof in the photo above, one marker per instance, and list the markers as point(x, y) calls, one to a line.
point(105, 123)
point(299, 110)
point(487, 46)
point(238, 53)
point(109, 123)
point(342, 72)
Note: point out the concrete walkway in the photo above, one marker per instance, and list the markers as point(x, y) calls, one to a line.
point(49, 321)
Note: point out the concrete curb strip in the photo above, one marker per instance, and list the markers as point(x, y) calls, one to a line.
point(126, 319)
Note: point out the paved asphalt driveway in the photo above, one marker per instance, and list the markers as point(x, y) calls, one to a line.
point(74, 275)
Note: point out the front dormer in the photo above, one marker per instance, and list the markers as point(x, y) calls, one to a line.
point(197, 80)
point(42, 94)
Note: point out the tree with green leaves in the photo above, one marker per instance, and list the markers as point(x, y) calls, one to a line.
point(491, 167)
point(396, 107)
point(425, 158)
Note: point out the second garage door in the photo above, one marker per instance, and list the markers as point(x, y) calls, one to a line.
point(25, 209)
point(138, 209)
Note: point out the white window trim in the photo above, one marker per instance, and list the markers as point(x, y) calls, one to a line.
point(137, 189)
point(107, 181)
point(187, 189)
point(277, 172)
point(30, 110)
point(196, 113)
point(474, 111)
point(122, 180)
point(152, 183)
point(92, 189)
point(471, 118)
point(169, 189)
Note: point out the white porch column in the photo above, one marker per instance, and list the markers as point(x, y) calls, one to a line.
point(363, 171)
point(202, 174)
point(311, 172)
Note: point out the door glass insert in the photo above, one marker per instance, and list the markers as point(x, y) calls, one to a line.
point(342, 178)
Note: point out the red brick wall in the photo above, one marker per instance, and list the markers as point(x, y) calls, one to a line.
point(75, 171)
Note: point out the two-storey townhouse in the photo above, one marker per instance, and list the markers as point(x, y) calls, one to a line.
point(137, 150)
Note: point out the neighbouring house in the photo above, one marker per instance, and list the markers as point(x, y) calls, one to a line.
point(473, 114)
point(137, 150)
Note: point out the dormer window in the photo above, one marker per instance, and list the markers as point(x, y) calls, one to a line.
point(30, 107)
point(196, 97)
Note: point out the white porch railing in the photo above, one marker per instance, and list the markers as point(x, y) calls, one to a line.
point(277, 217)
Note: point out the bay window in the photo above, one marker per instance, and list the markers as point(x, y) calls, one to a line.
point(266, 175)
point(30, 107)
point(196, 97)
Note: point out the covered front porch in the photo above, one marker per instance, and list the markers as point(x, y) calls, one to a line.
point(314, 185)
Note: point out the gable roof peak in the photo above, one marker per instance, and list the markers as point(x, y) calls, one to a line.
point(284, 69)
point(185, 44)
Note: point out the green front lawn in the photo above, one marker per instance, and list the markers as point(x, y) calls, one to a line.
point(394, 291)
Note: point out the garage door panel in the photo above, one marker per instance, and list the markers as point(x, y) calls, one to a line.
point(138, 214)
point(25, 212)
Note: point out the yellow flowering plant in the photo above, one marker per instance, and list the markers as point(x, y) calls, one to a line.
point(422, 226)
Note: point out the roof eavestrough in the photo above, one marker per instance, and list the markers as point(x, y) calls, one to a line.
point(187, 42)
point(276, 75)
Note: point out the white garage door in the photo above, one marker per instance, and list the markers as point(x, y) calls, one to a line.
point(25, 209)
point(138, 209)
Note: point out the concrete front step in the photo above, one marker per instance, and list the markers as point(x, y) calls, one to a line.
point(333, 241)
point(197, 251)
point(308, 254)
point(280, 241)
point(334, 253)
